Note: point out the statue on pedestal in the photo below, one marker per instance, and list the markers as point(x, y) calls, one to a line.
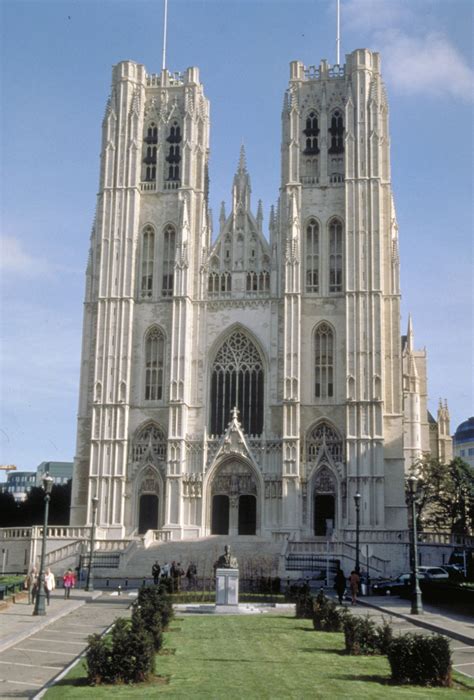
point(226, 560)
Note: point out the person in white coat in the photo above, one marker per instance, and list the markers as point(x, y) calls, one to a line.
point(49, 583)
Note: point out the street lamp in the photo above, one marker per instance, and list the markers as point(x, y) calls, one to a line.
point(40, 607)
point(357, 505)
point(90, 575)
point(416, 601)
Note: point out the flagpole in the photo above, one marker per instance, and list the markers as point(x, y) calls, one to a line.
point(338, 33)
point(165, 22)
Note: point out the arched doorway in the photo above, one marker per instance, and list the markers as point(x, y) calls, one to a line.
point(324, 503)
point(247, 515)
point(234, 500)
point(148, 513)
point(220, 515)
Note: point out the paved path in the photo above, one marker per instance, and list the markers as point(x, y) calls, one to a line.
point(36, 652)
point(458, 628)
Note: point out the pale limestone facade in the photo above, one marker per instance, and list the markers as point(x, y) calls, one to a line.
point(300, 331)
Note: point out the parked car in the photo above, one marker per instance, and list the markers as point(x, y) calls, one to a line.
point(455, 572)
point(434, 572)
point(396, 586)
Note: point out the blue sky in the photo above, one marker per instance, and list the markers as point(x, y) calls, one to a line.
point(55, 76)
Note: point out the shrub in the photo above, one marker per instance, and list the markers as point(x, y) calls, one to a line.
point(98, 657)
point(155, 599)
point(304, 603)
point(326, 615)
point(363, 637)
point(141, 652)
point(420, 659)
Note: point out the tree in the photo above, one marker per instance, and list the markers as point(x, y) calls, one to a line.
point(31, 510)
point(445, 497)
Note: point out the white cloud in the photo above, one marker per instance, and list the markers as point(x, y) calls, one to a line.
point(416, 60)
point(15, 259)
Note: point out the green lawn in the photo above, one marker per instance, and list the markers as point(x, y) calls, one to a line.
point(257, 656)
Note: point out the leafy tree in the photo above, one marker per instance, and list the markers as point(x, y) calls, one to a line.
point(445, 496)
point(31, 510)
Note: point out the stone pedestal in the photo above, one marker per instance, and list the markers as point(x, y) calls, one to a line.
point(227, 587)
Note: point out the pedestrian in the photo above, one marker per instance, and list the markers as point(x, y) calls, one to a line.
point(191, 575)
point(165, 571)
point(354, 582)
point(340, 584)
point(49, 583)
point(155, 572)
point(173, 576)
point(31, 584)
point(179, 573)
point(69, 581)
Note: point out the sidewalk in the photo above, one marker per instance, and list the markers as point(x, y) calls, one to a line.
point(451, 624)
point(17, 621)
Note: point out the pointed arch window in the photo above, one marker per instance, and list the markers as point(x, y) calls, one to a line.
point(154, 364)
point(324, 362)
point(335, 256)
point(149, 152)
point(323, 435)
point(311, 132)
point(147, 264)
point(237, 379)
point(174, 152)
point(336, 132)
point(151, 437)
point(169, 254)
point(312, 256)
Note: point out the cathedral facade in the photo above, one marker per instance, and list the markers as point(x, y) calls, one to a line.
point(246, 383)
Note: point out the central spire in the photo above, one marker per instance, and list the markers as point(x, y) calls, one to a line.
point(241, 189)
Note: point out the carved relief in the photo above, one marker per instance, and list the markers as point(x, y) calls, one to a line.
point(234, 479)
point(324, 481)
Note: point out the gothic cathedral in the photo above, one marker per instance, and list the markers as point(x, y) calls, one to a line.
point(248, 384)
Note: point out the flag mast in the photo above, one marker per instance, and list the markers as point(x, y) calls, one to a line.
point(338, 33)
point(165, 22)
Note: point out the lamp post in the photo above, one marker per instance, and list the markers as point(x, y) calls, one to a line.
point(90, 575)
point(357, 506)
point(40, 607)
point(416, 601)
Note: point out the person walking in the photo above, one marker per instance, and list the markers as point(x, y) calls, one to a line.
point(191, 575)
point(69, 581)
point(354, 582)
point(155, 572)
point(31, 584)
point(340, 584)
point(49, 583)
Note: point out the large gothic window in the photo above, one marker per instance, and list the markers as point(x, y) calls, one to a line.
point(148, 259)
point(154, 364)
point(336, 131)
point(324, 362)
point(312, 256)
point(311, 132)
point(335, 256)
point(174, 152)
point(323, 435)
point(169, 252)
point(149, 152)
point(151, 437)
point(237, 380)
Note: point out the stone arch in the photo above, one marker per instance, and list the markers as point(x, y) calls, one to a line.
point(236, 480)
point(324, 502)
point(148, 499)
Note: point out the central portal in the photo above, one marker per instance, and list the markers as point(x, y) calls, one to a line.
point(234, 500)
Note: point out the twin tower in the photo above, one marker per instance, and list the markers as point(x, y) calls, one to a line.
point(245, 383)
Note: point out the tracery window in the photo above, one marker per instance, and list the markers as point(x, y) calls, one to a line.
point(219, 283)
point(147, 263)
point(323, 435)
point(258, 281)
point(324, 362)
point(150, 436)
point(154, 364)
point(237, 379)
point(149, 152)
point(311, 132)
point(336, 131)
point(169, 254)
point(335, 256)
point(312, 256)
point(174, 152)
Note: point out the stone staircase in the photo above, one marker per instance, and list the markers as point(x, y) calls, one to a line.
point(256, 556)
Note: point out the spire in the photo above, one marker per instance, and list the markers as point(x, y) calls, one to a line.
point(271, 223)
point(260, 215)
point(222, 216)
point(410, 336)
point(241, 189)
point(242, 164)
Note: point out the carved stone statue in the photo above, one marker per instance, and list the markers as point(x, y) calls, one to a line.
point(226, 560)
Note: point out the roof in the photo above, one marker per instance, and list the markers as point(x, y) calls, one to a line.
point(465, 431)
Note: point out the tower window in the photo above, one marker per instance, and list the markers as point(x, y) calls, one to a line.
point(154, 364)
point(148, 259)
point(237, 379)
point(324, 362)
point(335, 256)
point(336, 131)
point(312, 256)
point(311, 133)
point(151, 134)
point(169, 254)
point(174, 153)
